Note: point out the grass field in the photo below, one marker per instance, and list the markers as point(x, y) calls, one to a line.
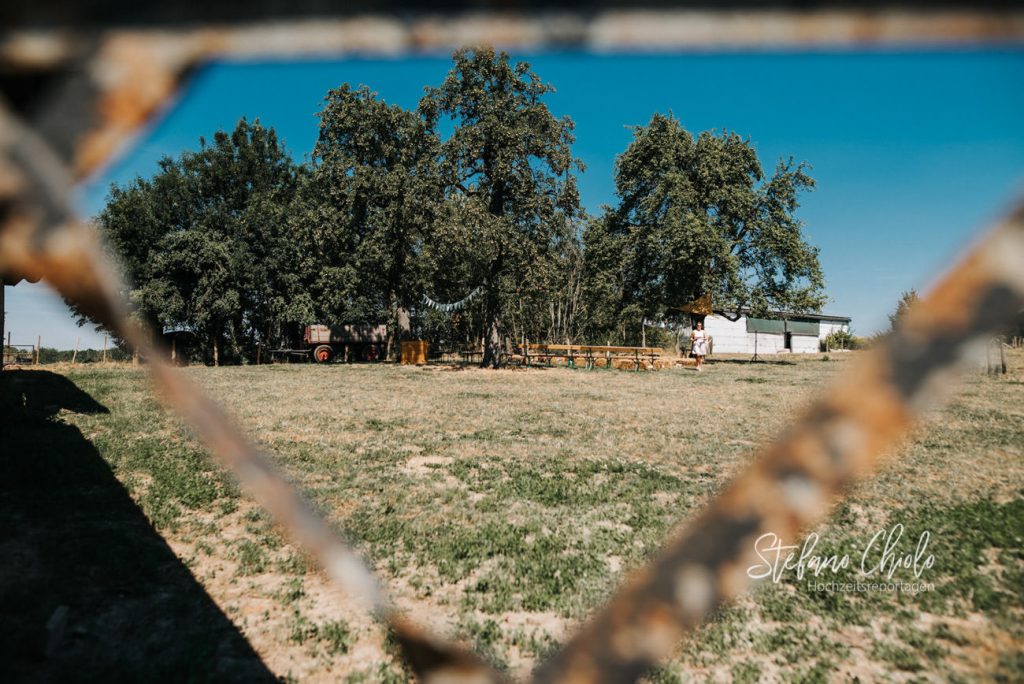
point(501, 507)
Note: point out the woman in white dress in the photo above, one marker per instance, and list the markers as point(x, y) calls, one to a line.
point(699, 344)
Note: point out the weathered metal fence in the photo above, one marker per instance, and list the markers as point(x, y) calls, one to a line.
point(789, 487)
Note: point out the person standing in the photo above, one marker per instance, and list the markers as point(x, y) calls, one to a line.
point(699, 344)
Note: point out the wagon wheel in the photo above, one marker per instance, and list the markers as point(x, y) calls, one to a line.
point(323, 353)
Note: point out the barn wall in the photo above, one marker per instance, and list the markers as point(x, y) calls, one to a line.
point(805, 344)
point(767, 343)
point(829, 327)
point(731, 337)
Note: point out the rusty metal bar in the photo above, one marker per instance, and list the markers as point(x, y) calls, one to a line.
point(788, 487)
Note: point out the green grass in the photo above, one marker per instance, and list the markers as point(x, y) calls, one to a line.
point(333, 636)
point(483, 495)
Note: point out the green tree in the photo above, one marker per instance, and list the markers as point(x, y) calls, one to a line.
point(204, 244)
point(604, 278)
point(194, 285)
point(369, 203)
point(509, 167)
point(697, 217)
point(907, 300)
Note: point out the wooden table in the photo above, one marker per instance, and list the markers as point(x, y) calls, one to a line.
point(589, 353)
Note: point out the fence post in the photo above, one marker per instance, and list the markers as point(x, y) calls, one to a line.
point(39, 347)
point(104, 349)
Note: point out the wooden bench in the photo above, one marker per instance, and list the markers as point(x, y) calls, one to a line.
point(589, 353)
point(463, 357)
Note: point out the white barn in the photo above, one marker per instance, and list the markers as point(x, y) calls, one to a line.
point(782, 333)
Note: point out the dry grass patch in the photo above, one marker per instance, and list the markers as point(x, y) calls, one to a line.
point(504, 506)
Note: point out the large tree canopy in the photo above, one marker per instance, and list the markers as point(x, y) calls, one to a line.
point(204, 244)
point(369, 202)
point(697, 217)
point(239, 245)
point(509, 169)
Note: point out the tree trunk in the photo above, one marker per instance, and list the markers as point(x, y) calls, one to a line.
point(260, 354)
point(216, 352)
point(492, 318)
point(390, 346)
point(404, 325)
point(400, 331)
point(492, 348)
point(496, 208)
point(236, 350)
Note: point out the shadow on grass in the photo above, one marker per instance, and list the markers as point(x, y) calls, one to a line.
point(748, 362)
point(89, 590)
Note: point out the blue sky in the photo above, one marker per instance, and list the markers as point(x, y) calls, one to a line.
point(913, 152)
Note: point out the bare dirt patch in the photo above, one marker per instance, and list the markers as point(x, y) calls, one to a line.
point(503, 507)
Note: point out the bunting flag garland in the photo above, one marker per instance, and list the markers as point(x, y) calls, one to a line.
point(452, 306)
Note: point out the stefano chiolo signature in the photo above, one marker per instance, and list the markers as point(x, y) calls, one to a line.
point(884, 555)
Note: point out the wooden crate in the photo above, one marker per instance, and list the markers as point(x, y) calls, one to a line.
point(414, 352)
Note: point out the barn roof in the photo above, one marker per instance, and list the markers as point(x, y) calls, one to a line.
point(780, 315)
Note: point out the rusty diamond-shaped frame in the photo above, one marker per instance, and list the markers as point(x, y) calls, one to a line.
point(123, 77)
